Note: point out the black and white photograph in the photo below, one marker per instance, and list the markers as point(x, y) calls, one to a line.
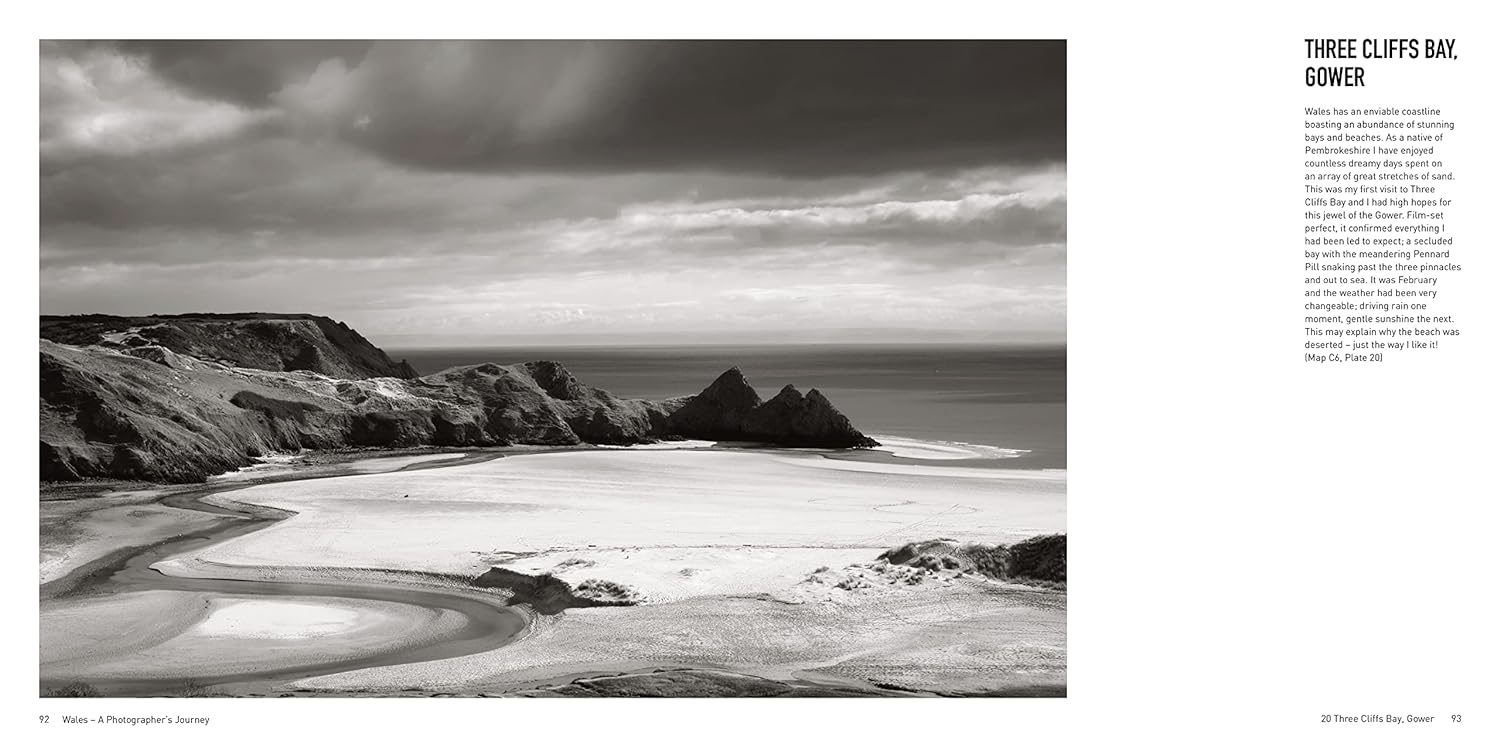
point(534, 368)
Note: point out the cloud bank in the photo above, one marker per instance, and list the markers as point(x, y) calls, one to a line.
point(498, 188)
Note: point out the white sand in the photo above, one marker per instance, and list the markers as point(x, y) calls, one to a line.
point(276, 618)
point(538, 510)
point(669, 445)
point(939, 450)
point(394, 463)
point(723, 545)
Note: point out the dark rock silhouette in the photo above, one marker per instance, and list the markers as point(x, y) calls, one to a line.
point(730, 409)
point(718, 412)
point(799, 421)
point(548, 594)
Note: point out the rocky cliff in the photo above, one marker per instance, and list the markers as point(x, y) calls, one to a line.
point(172, 417)
point(264, 341)
point(137, 410)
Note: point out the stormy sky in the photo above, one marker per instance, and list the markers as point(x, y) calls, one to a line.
point(477, 192)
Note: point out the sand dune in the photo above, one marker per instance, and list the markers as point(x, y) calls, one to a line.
point(967, 637)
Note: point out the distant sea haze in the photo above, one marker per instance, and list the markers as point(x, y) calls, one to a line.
point(1004, 396)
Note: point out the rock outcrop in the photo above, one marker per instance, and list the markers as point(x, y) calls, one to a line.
point(264, 341)
point(548, 594)
point(730, 409)
point(1040, 558)
point(132, 410)
point(799, 421)
point(719, 411)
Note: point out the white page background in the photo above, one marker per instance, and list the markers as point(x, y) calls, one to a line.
point(1256, 541)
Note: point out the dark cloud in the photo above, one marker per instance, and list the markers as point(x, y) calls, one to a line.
point(418, 186)
point(792, 107)
point(245, 72)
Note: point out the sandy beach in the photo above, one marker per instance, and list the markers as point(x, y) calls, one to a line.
point(761, 562)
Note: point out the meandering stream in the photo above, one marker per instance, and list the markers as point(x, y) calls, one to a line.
point(487, 624)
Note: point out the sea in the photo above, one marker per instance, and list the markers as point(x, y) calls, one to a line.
point(1009, 397)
